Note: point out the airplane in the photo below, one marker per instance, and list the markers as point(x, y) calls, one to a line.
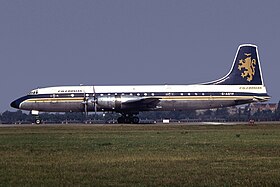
point(242, 85)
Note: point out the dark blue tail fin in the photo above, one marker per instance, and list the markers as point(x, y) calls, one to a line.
point(246, 69)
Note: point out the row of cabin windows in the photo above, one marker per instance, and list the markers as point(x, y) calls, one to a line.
point(131, 94)
point(152, 94)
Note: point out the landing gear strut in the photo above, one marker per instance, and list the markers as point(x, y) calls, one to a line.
point(128, 118)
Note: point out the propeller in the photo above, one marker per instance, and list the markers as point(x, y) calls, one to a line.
point(94, 101)
point(87, 100)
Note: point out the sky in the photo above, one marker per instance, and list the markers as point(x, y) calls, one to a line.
point(127, 42)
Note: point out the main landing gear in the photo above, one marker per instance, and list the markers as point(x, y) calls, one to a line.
point(128, 118)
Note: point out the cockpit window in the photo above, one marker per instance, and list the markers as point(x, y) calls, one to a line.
point(33, 92)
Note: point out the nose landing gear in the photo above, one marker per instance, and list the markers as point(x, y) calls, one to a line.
point(35, 113)
point(38, 121)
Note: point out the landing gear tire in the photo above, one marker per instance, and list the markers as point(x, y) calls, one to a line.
point(130, 119)
point(38, 121)
point(135, 120)
point(121, 119)
point(127, 120)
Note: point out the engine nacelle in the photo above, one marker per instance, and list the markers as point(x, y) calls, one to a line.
point(106, 102)
point(118, 102)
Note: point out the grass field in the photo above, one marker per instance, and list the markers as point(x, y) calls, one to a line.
point(162, 155)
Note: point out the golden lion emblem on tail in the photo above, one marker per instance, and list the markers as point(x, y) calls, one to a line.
point(249, 65)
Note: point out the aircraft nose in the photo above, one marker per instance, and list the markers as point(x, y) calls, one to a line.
point(15, 103)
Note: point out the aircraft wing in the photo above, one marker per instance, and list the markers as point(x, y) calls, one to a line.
point(142, 102)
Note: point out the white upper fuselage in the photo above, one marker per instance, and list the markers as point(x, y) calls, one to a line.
point(142, 89)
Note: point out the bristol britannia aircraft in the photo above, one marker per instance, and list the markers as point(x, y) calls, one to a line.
point(243, 84)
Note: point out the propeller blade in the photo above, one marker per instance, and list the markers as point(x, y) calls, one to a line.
point(95, 102)
point(85, 102)
point(86, 110)
point(95, 108)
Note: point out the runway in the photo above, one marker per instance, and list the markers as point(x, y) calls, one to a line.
point(150, 124)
